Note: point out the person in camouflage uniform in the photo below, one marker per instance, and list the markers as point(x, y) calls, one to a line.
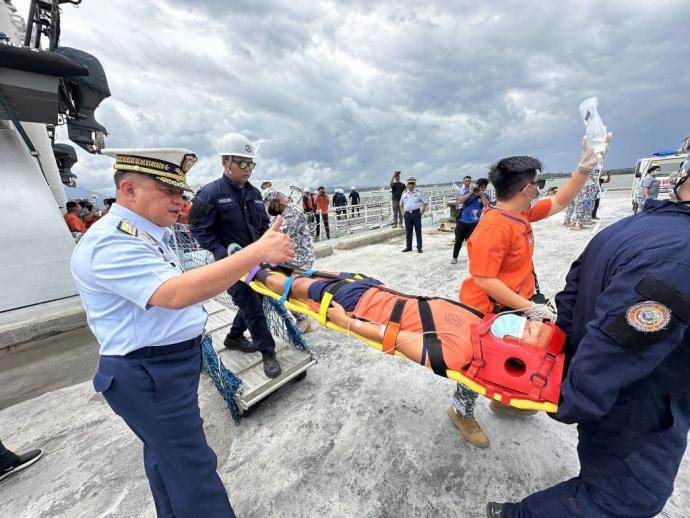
point(294, 225)
point(579, 212)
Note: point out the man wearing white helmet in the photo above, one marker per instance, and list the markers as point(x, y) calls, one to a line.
point(228, 211)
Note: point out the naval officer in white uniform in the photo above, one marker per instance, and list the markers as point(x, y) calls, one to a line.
point(148, 318)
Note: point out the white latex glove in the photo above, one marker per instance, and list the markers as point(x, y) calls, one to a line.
point(588, 159)
point(540, 312)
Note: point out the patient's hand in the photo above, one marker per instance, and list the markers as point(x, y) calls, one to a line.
point(336, 314)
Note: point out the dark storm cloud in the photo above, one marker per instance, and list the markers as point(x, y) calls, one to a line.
point(345, 92)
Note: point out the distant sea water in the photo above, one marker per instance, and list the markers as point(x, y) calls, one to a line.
point(621, 181)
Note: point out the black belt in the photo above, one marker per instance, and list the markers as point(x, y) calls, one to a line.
point(161, 350)
point(411, 211)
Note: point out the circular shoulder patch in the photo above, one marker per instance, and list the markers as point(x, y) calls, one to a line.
point(648, 316)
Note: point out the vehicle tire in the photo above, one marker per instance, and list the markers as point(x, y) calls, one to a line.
point(635, 207)
point(300, 376)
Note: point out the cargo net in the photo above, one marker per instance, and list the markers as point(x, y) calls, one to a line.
point(280, 320)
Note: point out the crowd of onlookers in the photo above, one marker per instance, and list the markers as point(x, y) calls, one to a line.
point(316, 206)
point(80, 215)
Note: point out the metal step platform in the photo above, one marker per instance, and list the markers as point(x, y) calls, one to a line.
point(248, 366)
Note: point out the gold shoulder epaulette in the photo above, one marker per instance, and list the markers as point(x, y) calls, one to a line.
point(126, 227)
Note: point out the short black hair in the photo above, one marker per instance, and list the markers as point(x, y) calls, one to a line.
point(654, 168)
point(466, 177)
point(121, 175)
point(83, 203)
point(71, 205)
point(321, 187)
point(482, 182)
point(511, 174)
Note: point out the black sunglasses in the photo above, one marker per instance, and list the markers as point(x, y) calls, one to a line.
point(244, 164)
point(539, 183)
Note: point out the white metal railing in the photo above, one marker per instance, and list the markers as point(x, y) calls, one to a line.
point(376, 211)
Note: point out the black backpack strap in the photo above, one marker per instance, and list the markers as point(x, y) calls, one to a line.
point(430, 340)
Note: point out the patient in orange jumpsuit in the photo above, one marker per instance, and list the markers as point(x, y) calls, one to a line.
point(364, 307)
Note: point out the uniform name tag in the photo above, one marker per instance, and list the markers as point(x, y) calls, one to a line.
point(225, 200)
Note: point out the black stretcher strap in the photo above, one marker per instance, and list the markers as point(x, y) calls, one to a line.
point(430, 341)
point(472, 310)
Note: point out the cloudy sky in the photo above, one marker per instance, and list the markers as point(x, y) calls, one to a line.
point(342, 93)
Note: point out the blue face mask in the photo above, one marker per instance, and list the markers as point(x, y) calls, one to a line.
point(509, 325)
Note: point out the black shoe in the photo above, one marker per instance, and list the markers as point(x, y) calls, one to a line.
point(595, 218)
point(271, 366)
point(22, 461)
point(495, 510)
point(239, 343)
point(419, 251)
point(407, 249)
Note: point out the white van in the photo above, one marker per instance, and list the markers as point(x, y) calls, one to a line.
point(668, 161)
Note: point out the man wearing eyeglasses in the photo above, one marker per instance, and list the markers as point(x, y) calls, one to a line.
point(413, 204)
point(626, 312)
point(502, 276)
point(231, 210)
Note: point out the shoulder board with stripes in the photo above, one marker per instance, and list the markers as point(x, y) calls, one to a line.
point(127, 227)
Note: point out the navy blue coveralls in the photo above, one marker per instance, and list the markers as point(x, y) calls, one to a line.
point(625, 310)
point(223, 214)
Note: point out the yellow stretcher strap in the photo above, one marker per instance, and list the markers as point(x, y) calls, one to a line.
point(301, 306)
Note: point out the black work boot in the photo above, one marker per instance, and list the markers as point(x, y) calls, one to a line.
point(239, 343)
point(271, 366)
point(496, 510)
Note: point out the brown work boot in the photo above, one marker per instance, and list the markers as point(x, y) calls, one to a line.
point(499, 408)
point(469, 428)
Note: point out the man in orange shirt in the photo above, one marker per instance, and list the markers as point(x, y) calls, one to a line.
point(321, 203)
point(500, 252)
point(74, 222)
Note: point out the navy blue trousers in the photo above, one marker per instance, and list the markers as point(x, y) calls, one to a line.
point(157, 398)
point(618, 481)
point(413, 220)
point(251, 316)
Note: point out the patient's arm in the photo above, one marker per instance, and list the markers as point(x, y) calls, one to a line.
point(407, 342)
point(276, 283)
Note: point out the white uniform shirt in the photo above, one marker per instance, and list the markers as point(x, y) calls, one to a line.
point(412, 200)
point(117, 273)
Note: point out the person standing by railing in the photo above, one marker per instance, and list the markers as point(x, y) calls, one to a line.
point(397, 189)
point(354, 201)
point(413, 204)
point(321, 203)
point(308, 205)
point(340, 204)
